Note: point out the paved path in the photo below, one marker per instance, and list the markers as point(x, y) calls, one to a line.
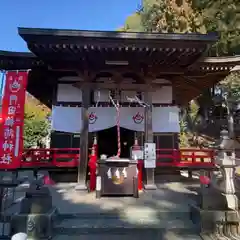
point(162, 214)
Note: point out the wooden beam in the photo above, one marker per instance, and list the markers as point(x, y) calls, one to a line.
point(129, 87)
point(148, 118)
point(83, 163)
point(148, 129)
point(181, 80)
point(156, 69)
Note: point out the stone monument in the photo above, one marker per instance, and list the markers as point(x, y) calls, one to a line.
point(36, 213)
point(217, 213)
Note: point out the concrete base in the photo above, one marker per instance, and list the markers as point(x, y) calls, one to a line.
point(81, 187)
point(37, 226)
point(213, 224)
point(36, 214)
point(212, 199)
point(150, 187)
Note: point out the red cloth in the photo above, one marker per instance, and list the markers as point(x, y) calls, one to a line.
point(204, 180)
point(48, 181)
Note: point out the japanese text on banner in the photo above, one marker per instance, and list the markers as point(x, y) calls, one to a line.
point(11, 131)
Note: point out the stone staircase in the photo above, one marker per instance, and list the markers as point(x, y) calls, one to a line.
point(104, 226)
point(161, 214)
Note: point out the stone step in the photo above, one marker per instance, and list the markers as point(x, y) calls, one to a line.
point(134, 215)
point(159, 235)
point(106, 225)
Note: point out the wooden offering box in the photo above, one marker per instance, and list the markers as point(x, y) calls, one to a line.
point(117, 177)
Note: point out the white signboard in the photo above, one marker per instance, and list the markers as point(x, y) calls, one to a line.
point(150, 155)
point(150, 163)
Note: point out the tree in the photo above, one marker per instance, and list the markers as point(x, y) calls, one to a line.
point(36, 124)
point(170, 16)
point(132, 24)
point(230, 91)
point(222, 17)
point(185, 16)
point(231, 86)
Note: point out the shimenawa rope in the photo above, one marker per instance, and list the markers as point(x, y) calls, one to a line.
point(117, 107)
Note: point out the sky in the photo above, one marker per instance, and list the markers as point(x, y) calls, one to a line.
point(66, 14)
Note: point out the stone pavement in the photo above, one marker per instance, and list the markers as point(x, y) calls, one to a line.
point(161, 214)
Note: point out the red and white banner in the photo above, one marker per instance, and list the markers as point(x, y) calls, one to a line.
point(11, 129)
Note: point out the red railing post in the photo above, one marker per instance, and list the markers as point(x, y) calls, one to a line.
point(54, 160)
point(212, 156)
point(193, 156)
point(175, 156)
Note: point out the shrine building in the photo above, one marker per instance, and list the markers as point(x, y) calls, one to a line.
point(79, 74)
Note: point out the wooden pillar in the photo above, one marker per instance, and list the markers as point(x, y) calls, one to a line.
point(150, 181)
point(83, 163)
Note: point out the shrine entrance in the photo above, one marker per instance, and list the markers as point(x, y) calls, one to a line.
point(108, 142)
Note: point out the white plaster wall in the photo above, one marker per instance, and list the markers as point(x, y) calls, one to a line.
point(126, 94)
point(162, 95)
point(68, 93)
point(101, 96)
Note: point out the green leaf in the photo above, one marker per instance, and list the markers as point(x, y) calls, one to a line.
point(36, 125)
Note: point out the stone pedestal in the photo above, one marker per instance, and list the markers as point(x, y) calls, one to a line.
point(36, 214)
point(212, 214)
point(213, 224)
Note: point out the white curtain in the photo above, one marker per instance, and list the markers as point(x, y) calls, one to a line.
point(69, 119)
point(132, 118)
point(101, 118)
point(66, 119)
point(166, 119)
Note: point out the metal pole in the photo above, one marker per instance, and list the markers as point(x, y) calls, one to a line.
point(2, 85)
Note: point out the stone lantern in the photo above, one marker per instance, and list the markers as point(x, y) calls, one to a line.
point(217, 215)
point(226, 163)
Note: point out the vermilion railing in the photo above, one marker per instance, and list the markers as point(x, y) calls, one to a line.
point(69, 157)
point(53, 157)
point(185, 157)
